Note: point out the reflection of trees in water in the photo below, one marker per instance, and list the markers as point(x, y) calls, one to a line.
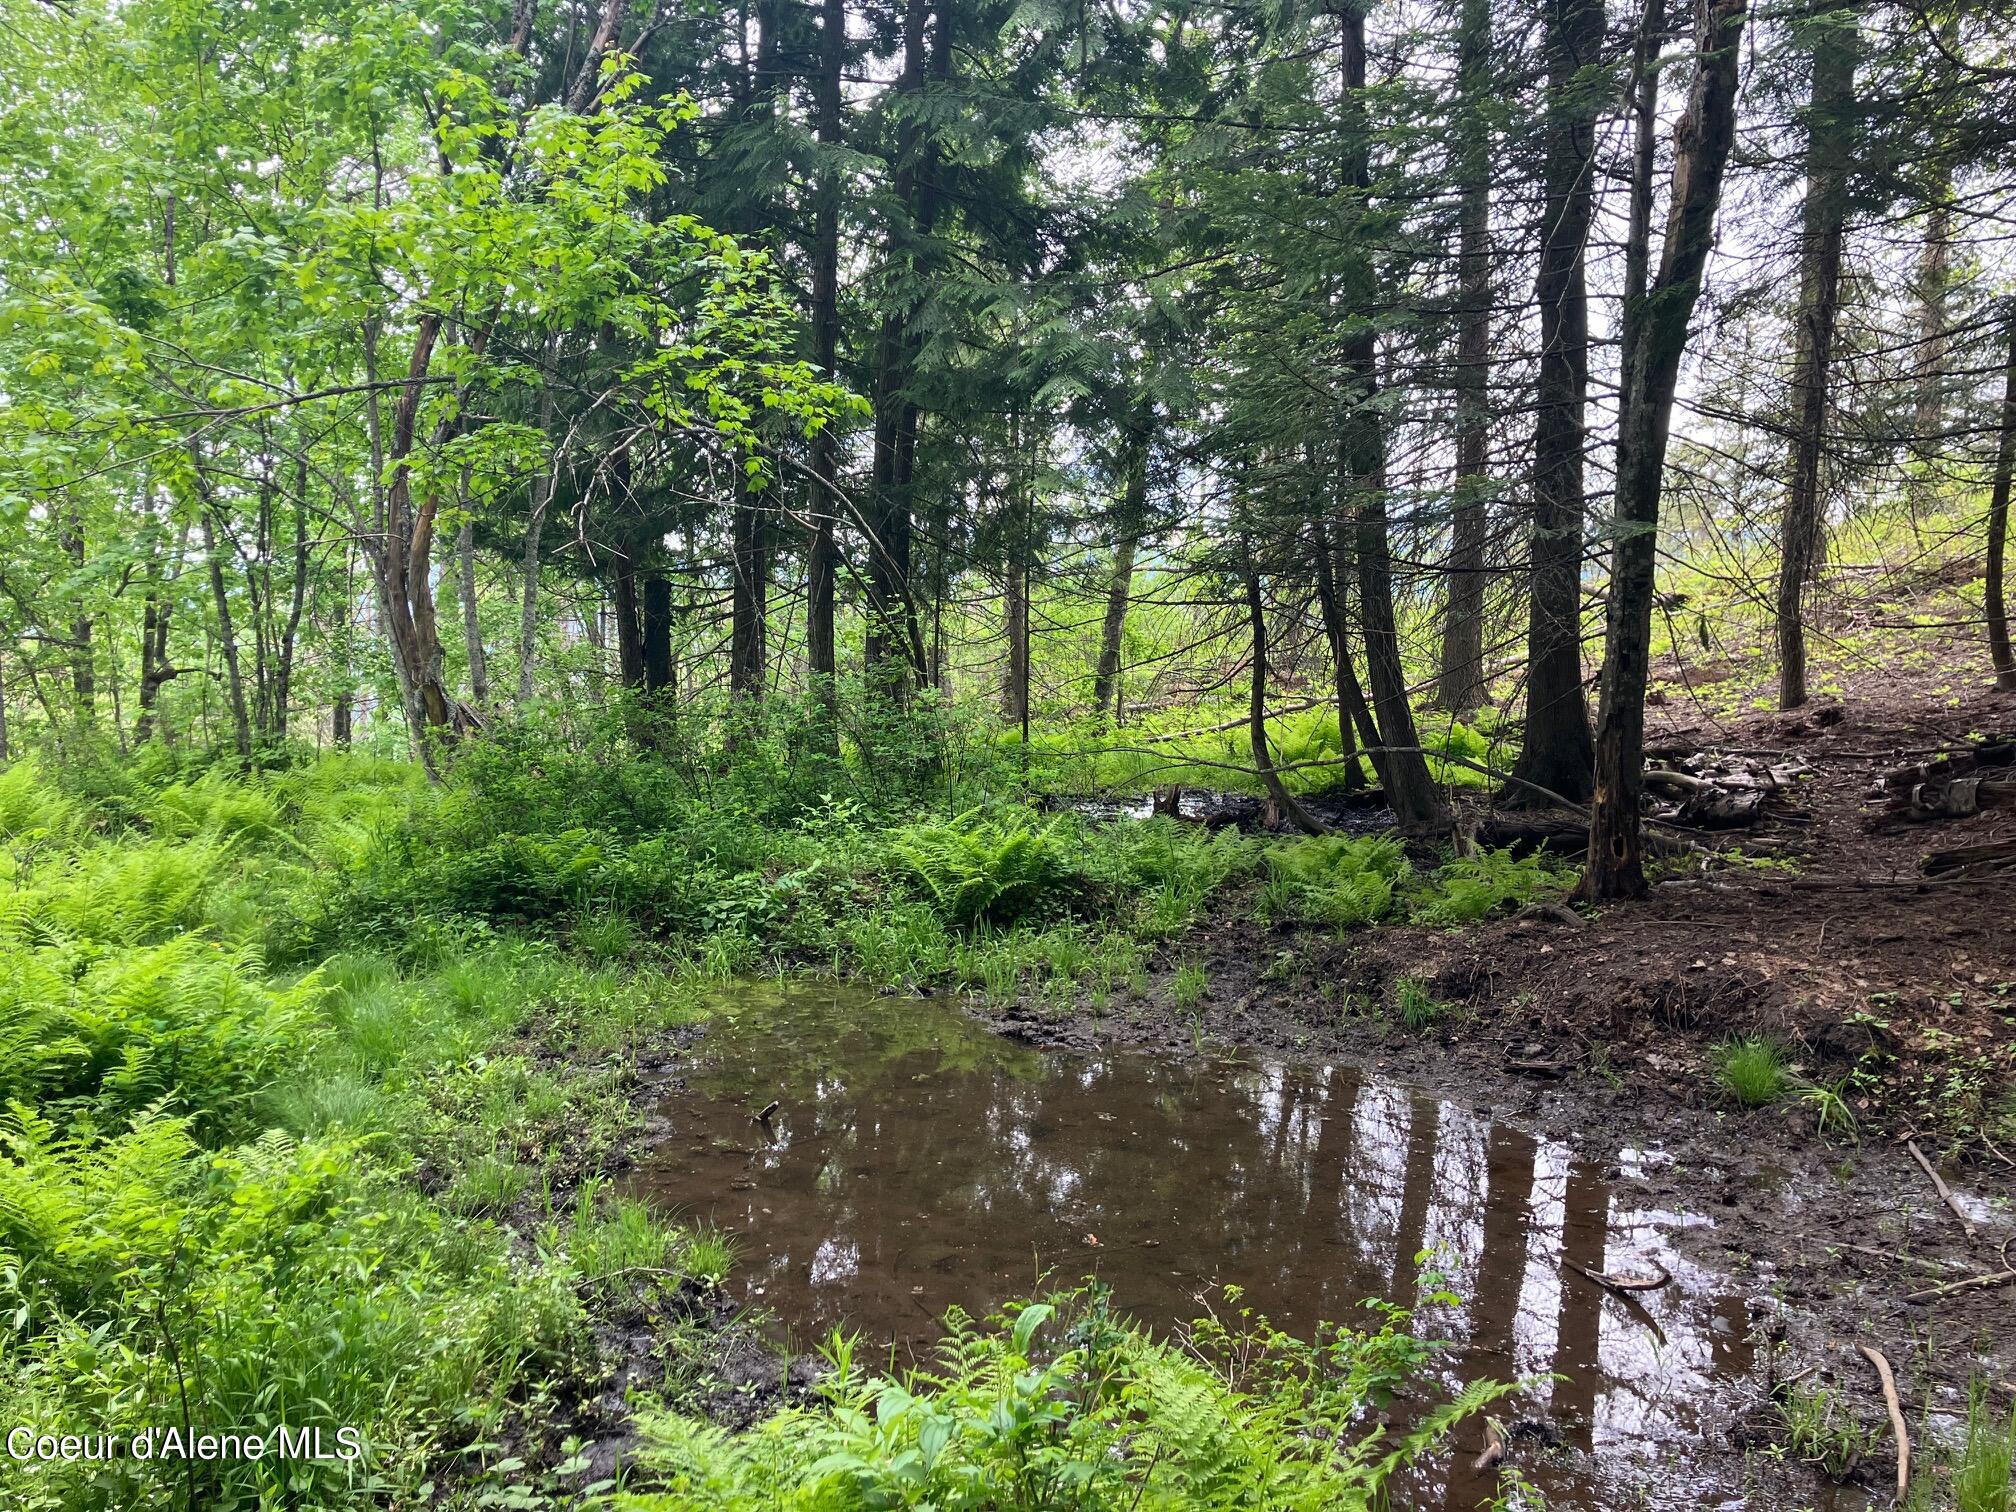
point(920, 1161)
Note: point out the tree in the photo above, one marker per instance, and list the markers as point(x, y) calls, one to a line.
point(1702, 139)
point(1829, 158)
point(1556, 753)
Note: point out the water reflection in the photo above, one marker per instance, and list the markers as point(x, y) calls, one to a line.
point(917, 1162)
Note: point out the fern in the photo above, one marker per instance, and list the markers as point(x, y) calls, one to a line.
point(971, 868)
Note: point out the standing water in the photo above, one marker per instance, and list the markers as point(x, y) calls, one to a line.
point(917, 1161)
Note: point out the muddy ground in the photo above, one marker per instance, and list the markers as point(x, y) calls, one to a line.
point(1600, 1032)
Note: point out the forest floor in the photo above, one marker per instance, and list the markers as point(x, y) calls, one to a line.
point(1898, 993)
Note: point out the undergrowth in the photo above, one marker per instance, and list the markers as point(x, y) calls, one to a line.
point(1057, 1406)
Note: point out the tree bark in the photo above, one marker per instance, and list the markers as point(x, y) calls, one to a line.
point(472, 623)
point(655, 642)
point(227, 636)
point(1702, 139)
point(1995, 602)
point(1557, 752)
point(535, 523)
point(894, 638)
point(1822, 234)
point(1460, 686)
point(83, 660)
point(297, 606)
point(1353, 713)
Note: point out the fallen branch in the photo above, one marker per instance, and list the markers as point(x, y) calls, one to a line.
point(1972, 1283)
point(1945, 1192)
point(1897, 1426)
point(1627, 1283)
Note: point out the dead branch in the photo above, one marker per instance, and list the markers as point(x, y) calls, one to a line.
point(1897, 1425)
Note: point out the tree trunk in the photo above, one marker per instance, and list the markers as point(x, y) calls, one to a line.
point(1417, 807)
point(1556, 752)
point(1460, 686)
point(83, 661)
point(1702, 140)
point(1352, 710)
point(750, 600)
point(822, 556)
point(655, 642)
point(888, 523)
point(535, 524)
point(155, 667)
point(1120, 587)
point(1822, 232)
point(283, 672)
point(1996, 604)
point(1256, 718)
point(628, 615)
point(1015, 680)
point(472, 622)
point(241, 722)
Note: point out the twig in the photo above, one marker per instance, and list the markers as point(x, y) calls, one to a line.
point(1972, 1283)
point(1897, 1426)
point(1945, 1192)
point(1883, 1254)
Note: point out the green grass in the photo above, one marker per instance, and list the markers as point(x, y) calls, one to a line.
point(1751, 1070)
point(1822, 1432)
point(1416, 1006)
point(1982, 1468)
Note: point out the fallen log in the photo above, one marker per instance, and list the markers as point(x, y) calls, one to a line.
point(1951, 787)
point(1986, 859)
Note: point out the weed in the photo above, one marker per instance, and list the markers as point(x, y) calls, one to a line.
point(1188, 986)
point(1060, 1404)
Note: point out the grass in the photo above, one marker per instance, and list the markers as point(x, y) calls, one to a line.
point(1820, 1431)
point(1751, 1070)
point(1416, 1006)
point(1982, 1469)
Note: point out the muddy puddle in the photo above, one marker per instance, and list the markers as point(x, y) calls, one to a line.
point(917, 1161)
